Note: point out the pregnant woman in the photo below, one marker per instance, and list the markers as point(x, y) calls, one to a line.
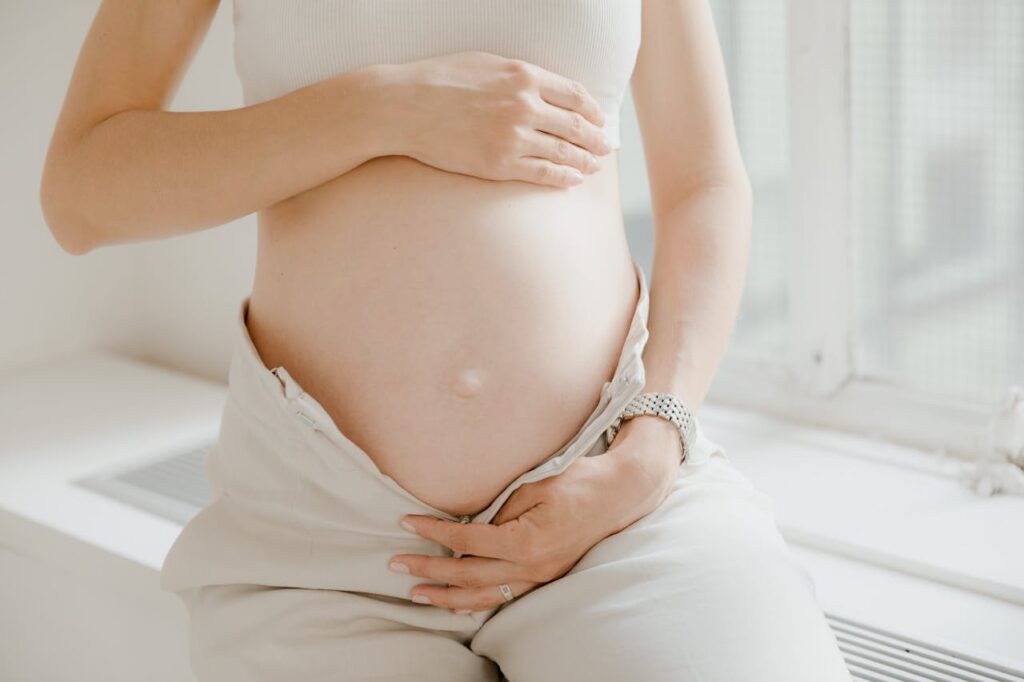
point(459, 440)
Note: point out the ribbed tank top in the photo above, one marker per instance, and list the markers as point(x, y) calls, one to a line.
point(282, 45)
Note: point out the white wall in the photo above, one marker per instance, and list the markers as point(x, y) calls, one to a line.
point(172, 301)
point(71, 611)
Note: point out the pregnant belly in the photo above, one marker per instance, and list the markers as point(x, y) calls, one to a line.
point(458, 330)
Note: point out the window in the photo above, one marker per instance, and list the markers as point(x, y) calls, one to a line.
point(885, 143)
point(938, 193)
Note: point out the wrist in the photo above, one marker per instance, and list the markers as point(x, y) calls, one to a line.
point(369, 100)
point(388, 89)
point(645, 456)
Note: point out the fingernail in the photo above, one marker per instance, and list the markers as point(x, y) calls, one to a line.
point(462, 611)
point(421, 599)
point(408, 526)
point(606, 144)
point(575, 176)
point(398, 567)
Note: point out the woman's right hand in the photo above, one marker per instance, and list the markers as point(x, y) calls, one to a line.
point(491, 117)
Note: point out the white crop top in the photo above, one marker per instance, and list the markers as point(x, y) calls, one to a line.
point(282, 45)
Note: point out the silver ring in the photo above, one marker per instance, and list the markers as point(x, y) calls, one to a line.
point(506, 592)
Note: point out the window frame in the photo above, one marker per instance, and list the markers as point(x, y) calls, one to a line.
point(818, 381)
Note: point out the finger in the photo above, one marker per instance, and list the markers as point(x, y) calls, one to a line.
point(570, 95)
point(463, 572)
point(478, 539)
point(521, 501)
point(544, 172)
point(572, 127)
point(553, 148)
point(470, 598)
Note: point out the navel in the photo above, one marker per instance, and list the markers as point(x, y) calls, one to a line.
point(468, 383)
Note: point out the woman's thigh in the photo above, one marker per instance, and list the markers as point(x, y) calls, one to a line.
point(703, 588)
point(256, 634)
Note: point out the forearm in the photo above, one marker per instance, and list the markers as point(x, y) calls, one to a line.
point(147, 174)
point(700, 262)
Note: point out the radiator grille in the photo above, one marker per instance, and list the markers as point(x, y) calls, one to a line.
point(876, 655)
point(175, 488)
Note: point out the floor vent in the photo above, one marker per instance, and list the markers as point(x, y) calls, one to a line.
point(175, 488)
point(875, 655)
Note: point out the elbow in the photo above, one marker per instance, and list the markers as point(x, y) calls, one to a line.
point(71, 237)
point(68, 226)
point(744, 186)
point(734, 184)
point(744, 191)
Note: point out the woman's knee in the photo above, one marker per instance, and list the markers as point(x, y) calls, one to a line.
point(253, 632)
point(704, 587)
point(716, 615)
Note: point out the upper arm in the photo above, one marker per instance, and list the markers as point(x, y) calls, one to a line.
point(681, 97)
point(133, 57)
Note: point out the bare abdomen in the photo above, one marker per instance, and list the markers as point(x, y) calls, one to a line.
point(458, 330)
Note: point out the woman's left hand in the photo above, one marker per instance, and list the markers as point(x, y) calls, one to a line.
point(545, 527)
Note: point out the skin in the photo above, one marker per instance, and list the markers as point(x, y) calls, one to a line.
point(492, 376)
point(702, 204)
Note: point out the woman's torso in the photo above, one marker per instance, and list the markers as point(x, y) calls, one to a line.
point(459, 330)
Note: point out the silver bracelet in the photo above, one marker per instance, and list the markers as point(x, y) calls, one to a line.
point(664, 405)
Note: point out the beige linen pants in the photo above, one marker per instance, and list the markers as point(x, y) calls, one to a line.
point(285, 574)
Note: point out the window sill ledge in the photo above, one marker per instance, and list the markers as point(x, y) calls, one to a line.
point(885, 533)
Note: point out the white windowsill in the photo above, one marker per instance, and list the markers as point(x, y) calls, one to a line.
point(888, 539)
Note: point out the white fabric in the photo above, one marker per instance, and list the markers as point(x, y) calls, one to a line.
point(281, 46)
point(285, 573)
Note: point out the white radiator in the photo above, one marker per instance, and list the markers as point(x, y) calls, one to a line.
point(876, 655)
